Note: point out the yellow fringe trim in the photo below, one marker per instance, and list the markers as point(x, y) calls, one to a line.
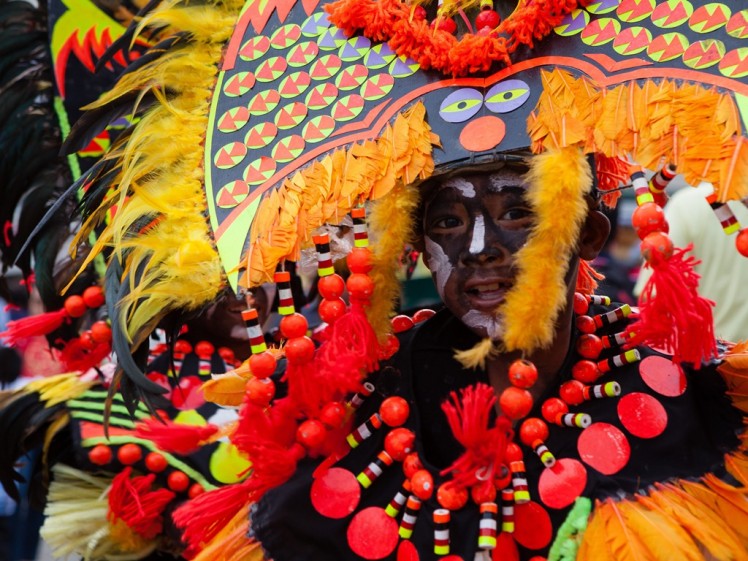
point(697, 129)
point(558, 181)
point(58, 389)
point(328, 189)
point(172, 264)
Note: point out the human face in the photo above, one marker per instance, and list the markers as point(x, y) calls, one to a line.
point(473, 226)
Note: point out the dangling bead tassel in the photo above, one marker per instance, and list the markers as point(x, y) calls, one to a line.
point(330, 285)
point(398, 501)
point(724, 214)
point(410, 516)
point(488, 527)
point(204, 351)
point(441, 531)
point(629, 357)
point(364, 431)
point(659, 183)
point(534, 432)
point(556, 411)
point(574, 392)
point(519, 482)
point(506, 547)
point(372, 472)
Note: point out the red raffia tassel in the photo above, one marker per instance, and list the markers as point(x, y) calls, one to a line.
point(32, 326)
point(468, 417)
point(672, 315)
point(587, 278)
point(351, 351)
point(177, 438)
point(506, 548)
point(133, 502)
point(75, 357)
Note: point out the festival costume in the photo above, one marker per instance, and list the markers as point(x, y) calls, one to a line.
point(285, 152)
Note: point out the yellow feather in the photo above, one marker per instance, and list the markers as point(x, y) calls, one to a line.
point(594, 546)
point(728, 502)
point(660, 535)
point(624, 544)
point(477, 356)
point(227, 390)
point(58, 389)
point(558, 181)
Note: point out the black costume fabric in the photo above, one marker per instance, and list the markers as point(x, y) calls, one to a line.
point(701, 428)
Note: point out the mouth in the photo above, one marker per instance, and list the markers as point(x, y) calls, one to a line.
point(486, 294)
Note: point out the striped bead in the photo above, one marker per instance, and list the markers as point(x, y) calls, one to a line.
point(508, 497)
point(398, 501)
point(641, 187)
point(372, 472)
point(613, 316)
point(360, 234)
point(519, 482)
point(364, 431)
point(324, 258)
point(629, 357)
point(358, 397)
point(410, 515)
point(254, 331)
point(488, 526)
point(285, 296)
point(441, 531)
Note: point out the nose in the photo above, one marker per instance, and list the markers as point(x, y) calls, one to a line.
point(485, 243)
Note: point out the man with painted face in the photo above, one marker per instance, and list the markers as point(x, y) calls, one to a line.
point(642, 430)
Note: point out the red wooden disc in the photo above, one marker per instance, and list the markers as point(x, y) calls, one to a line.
point(532, 525)
point(372, 534)
point(604, 447)
point(336, 493)
point(663, 376)
point(642, 415)
point(560, 485)
point(406, 551)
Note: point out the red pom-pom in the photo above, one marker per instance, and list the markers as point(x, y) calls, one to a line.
point(262, 365)
point(93, 297)
point(132, 501)
point(101, 332)
point(75, 306)
point(31, 326)
point(260, 391)
point(174, 437)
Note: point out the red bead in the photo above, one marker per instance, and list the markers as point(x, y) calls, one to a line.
point(572, 392)
point(423, 315)
point(586, 324)
point(262, 365)
point(311, 434)
point(445, 24)
point(648, 218)
point(75, 306)
point(419, 13)
point(533, 429)
point(227, 355)
point(513, 453)
point(195, 490)
point(293, 325)
point(182, 347)
point(451, 497)
point(300, 349)
point(483, 492)
point(260, 391)
point(411, 464)
point(100, 455)
point(503, 477)
point(581, 304)
point(178, 481)
point(487, 18)
point(128, 454)
point(360, 286)
point(741, 242)
point(333, 415)
point(401, 323)
point(87, 341)
point(399, 443)
point(522, 373)
point(515, 402)
point(101, 332)
point(656, 248)
point(394, 411)
point(331, 310)
point(359, 261)
point(585, 371)
point(552, 408)
point(93, 297)
point(331, 286)
point(204, 349)
point(422, 484)
point(589, 346)
point(155, 462)
point(390, 347)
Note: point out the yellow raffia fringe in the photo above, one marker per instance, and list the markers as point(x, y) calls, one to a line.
point(76, 518)
point(233, 543)
point(161, 172)
point(697, 129)
point(328, 189)
point(58, 389)
point(558, 181)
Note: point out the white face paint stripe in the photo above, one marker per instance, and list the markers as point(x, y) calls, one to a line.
point(465, 187)
point(438, 264)
point(478, 241)
point(494, 326)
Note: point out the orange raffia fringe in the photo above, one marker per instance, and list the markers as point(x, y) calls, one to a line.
point(392, 21)
point(697, 129)
point(328, 189)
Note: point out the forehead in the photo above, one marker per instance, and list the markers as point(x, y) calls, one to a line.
point(472, 183)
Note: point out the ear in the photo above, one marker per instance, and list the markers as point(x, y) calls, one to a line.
point(594, 234)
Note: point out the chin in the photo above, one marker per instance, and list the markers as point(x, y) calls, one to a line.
point(484, 324)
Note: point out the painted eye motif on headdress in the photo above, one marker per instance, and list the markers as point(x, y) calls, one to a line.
point(461, 105)
point(507, 96)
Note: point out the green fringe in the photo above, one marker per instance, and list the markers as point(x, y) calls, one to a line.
point(570, 534)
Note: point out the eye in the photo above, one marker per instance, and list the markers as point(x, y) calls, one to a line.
point(459, 106)
point(446, 223)
point(507, 96)
point(517, 213)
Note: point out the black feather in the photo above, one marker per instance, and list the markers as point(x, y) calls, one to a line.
point(122, 43)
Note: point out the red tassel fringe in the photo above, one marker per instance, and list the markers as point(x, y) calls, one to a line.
point(587, 278)
point(172, 437)
point(672, 315)
point(74, 357)
point(40, 324)
point(133, 502)
point(468, 417)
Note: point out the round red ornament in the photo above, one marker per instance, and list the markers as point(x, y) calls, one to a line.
point(741, 242)
point(642, 415)
point(204, 349)
point(300, 349)
point(311, 434)
point(260, 391)
point(399, 443)
point(87, 341)
point(128, 454)
point(451, 497)
point(394, 411)
point(580, 304)
point(445, 24)
point(586, 324)
point(359, 261)
point(604, 447)
point(182, 347)
point(195, 490)
point(262, 365)
point(100, 455)
point(648, 218)
point(572, 392)
point(422, 484)
point(401, 323)
point(487, 18)
point(533, 429)
point(390, 347)
point(336, 493)
point(515, 402)
point(560, 485)
point(372, 534)
point(333, 414)
point(657, 247)
point(522, 373)
point(75, 306)
point(331, 310)
point(93, 297)
point(411, 464)
point(589, 346)
point(155, 462)
point(293, 325)
point(360, 286)
point(422, 315)
point(331, 286)
point(552, 408)
point(513, 453)
point(585, 371)
point(101, 332)
point(483, 493)
point(178, 481)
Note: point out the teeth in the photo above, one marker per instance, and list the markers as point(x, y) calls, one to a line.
point(487, 287)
